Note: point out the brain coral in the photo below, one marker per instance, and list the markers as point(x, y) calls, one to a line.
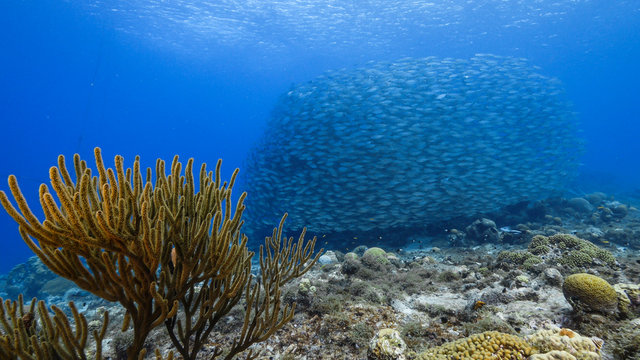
point(398, 144)
point(588, 292)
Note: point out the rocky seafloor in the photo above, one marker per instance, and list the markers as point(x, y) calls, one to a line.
point(558, 279)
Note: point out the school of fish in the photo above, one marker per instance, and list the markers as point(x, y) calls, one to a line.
point(411, 142)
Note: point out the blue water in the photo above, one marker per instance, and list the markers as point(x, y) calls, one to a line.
point(199, 80)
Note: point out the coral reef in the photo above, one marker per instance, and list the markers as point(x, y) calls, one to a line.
point(431, 293)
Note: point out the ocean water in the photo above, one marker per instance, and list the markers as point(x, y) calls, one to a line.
point(201, 79)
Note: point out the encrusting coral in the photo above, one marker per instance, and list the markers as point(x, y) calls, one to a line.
point(550, 343)
point(486, 345)
point(561, 343)
point(168, 254)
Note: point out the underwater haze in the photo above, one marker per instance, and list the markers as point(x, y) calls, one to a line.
point(203, 79)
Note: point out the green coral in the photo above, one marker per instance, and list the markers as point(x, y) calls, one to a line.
point(351, 255)
point(531, 262)
point(527, 259)
point(305, 287)
point(590, 293)
point(560, 249)
point(575, 252)
point(375, 256)
point(539, 245)
point(576, 259)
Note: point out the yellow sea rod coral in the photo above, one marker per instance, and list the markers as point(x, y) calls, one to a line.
point(486, 345)
point(168, 248)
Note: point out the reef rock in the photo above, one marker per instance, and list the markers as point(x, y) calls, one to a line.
point(483, 231)
point(387, 345)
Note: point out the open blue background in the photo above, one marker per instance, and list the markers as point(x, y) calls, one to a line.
point(200, 80)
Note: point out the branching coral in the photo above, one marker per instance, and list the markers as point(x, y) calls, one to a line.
point(279, 262)
point(109, 235)
point(567, 251)
point(150, 244)
point(23, 337)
